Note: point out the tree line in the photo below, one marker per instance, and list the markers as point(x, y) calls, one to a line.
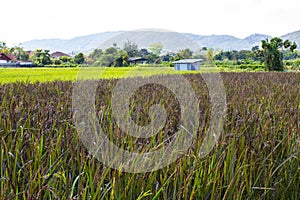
point(271, 53)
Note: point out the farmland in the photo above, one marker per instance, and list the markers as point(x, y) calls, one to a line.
point(256, 157)
point(9, 75)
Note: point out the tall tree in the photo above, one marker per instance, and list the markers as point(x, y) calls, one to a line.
point(156, 48)
point(273, 52)
point(79, 58)
point(3, 47)
point(210, 57)
point(19, 53)
point(41, 57)
point(96, 54)
point(184, 54)
point(131, 48)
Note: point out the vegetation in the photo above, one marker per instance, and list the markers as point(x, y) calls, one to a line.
point(273, 56)
point(257, 156)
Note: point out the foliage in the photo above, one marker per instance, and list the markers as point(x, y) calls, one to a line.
point(65, 59)
point(257, 156)
point(79, 58)
point(255, 54)
point(291, 55)
point(273, 55)
point(183, 54)
point(3, 47)
point(131, 48)
point(292, 64)
point(41, 57)
point(19, 53)
point(210, 57)
point(156, 48)
point(96, 54)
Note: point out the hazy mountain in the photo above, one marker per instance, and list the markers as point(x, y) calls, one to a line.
point(84, 44)
point(294, 37)
point(171, 41)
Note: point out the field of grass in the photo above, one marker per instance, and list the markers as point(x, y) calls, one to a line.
point(9, 75)
point(256, 157)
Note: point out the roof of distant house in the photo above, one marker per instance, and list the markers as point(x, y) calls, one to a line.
point(188, 61)
point(132, 59)
point(7, 57)
point(59, 54)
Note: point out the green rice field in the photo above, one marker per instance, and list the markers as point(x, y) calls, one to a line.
point(9, 75)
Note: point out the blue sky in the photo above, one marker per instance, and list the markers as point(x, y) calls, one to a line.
point(36, 19)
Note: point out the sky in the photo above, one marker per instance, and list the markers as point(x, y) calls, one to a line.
point(44, 19)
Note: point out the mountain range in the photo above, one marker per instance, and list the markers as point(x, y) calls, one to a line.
point(171, 41)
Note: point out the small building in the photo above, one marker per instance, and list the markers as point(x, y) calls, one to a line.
point(5, 58)
point(59, 54)
point(137, 60)
point(187, 64)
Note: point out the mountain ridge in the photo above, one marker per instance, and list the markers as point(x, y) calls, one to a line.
point(172, 41)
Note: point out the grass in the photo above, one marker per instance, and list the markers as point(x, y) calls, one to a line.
point(257, 156)
point(10, 75)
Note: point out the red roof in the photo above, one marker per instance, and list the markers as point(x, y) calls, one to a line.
point(7, 57)
point(59, 54)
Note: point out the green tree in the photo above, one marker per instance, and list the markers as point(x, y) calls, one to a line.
point(3, 47)
point(273, 52)
point(65, 59)
point(79, 58)
point(210, 57)
point(96, 54)
point(110, 50)
point(41, 57)
point(120, 59)
point(131, 48)
point(184, 54)
point(106, 60)
point(156, 48)
point(19, 53)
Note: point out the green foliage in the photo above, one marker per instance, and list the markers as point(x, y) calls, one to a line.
point(3, 47)
point(156, 48)
point(131, 48)
point(210, 57)
point(255, 54)
point(273, 55)
point(291, 55)
point(65, 59)
point(19, 53)
point(110, 51)
point(292, 64)
point(96, 54)
point(79, 58)
point(41, 57)
point(183, 54)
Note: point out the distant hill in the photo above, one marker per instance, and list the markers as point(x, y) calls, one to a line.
point(84, 44)
point(171, 41)
point(294, 37)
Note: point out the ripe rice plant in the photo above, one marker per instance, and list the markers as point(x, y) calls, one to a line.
point(257, 156)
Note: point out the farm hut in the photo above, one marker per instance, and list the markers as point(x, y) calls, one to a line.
point(187, 64)
point(137, 60)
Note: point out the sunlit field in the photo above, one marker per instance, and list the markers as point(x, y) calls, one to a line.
point(9, 75)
